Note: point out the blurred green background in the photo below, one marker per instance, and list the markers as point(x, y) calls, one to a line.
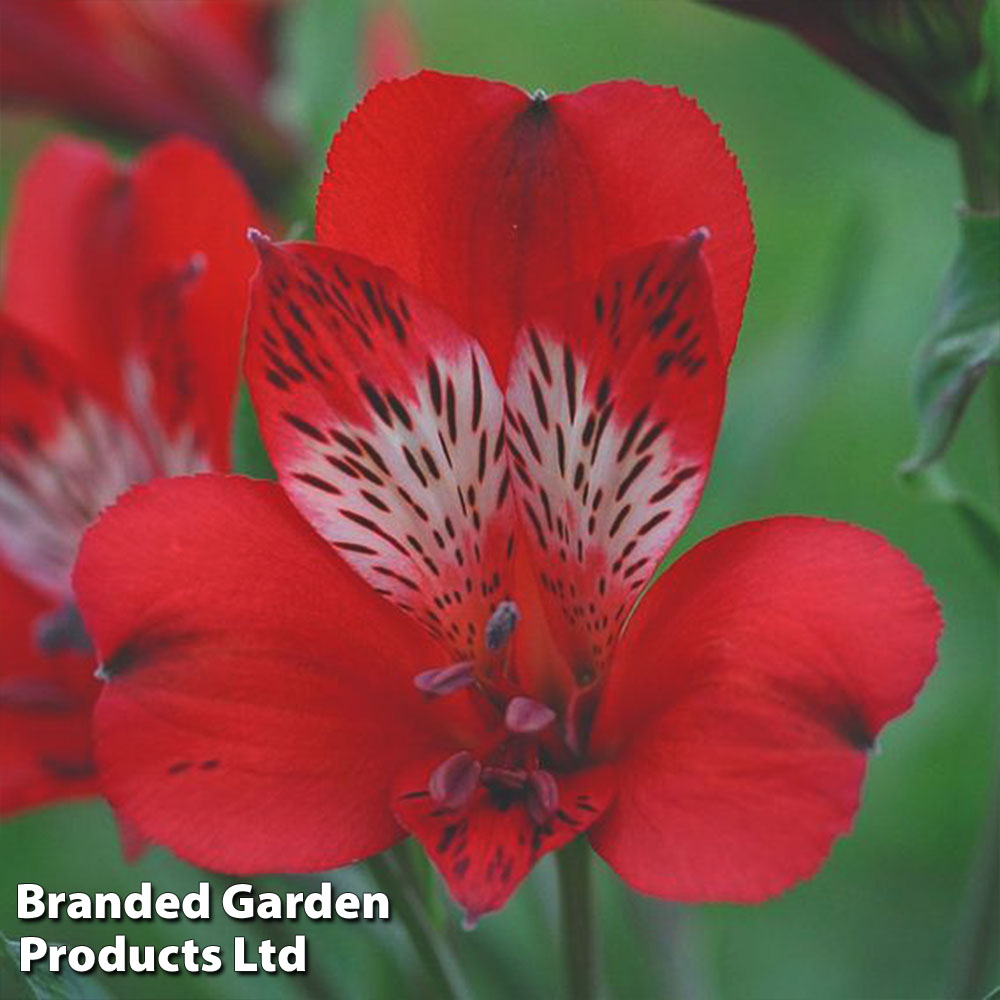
point(854, 209)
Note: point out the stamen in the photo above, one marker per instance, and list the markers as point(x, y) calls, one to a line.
point(453, 782)
point(62, 631)
point(501, 625)
point(506, 777)
point(260, 240)
point(698, 236)
point(445, 680)
point(525, 715)
point(543, 796)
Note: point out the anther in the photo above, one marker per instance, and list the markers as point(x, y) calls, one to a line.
point(444, 680)
point(260, 240)
point(543, 796)
point(453, 782)
point(501, 624)
point(62, 631)
point(505, 777)
point(525, 715)
point(698, 236)
point(35, 695)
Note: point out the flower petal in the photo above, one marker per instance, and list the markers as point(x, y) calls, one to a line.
point(68, 55)
point(385, 425)
point(613, 408)
point(68, 218)
point(191, 265)
point(259, 702)
point(65, 452)
point(489, 200)
point(45, 709)
point(142, 275)
point(485, 849)
point(747, 689)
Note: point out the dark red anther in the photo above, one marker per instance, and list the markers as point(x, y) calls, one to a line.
point(453, 782)
point(505, 777)
point(543, 796)
point(445, 680)
point(525, 715)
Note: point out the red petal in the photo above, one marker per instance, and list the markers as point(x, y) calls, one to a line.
point(148, 68)
point(484, 850)
point(385, 425)
point(96, 264)
point(613, 407)
point(188, 204)
point(64, 454)
point(254, 720)
point(68, 218)
point(489, 200)
point(754, 677)
point(68, 55)
point(45, 709)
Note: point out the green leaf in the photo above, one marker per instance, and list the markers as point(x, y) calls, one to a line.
point(965, 342)
point(40, 984)
point(933, 483)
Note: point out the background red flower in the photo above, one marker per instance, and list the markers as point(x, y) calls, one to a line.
point(120, 331)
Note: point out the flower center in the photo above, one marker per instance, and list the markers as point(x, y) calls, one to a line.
point(529, 740)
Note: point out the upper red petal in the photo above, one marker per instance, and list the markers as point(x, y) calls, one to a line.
point(139, 275)
point(189, 207)
point(260, 701)
point(386, 427)
point(613, 407)
point(68, 220)
point(489, 199)
point(748, 686)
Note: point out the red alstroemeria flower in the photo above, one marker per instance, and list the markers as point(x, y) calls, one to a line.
point(426, 628)
point(120, 325)
point(150, 68)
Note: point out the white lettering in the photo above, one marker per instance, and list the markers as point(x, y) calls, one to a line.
point(29, 903)
point(32, 949)
point(236, 903)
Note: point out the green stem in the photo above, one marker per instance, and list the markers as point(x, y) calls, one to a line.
point(430, 945)
point(577, 913)
point(975, 949)
point(975, 133)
